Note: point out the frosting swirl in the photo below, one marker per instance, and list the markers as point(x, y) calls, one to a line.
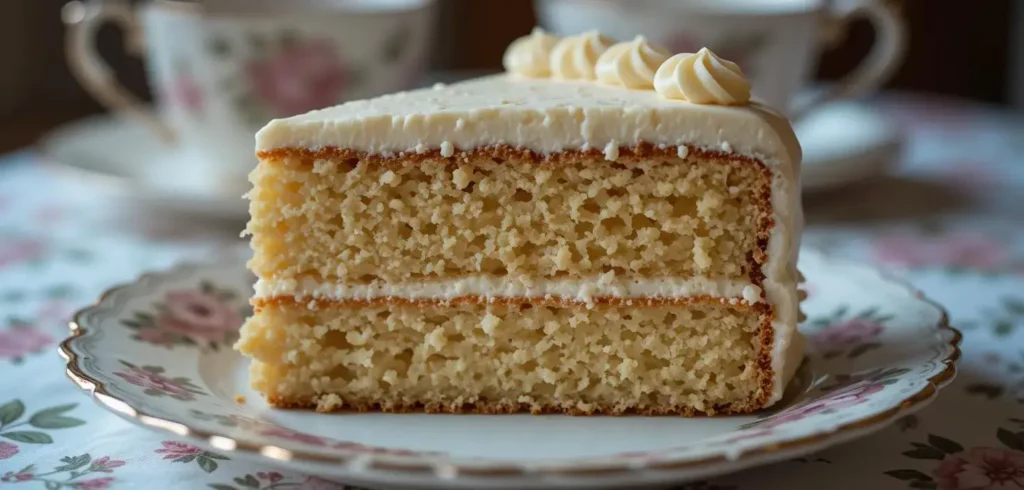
point(702, 78)
point(631, 64)
point(574, 57)
point(529, 55)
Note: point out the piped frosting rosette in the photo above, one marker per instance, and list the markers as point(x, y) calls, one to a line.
point(575, 57)
point(702, 78)
point(631, 64)
point(530, 56)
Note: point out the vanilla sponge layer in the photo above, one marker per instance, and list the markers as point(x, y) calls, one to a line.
point(340, 216)
point(698, 355)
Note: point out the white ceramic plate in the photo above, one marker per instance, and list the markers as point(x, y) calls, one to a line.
point(158, 352)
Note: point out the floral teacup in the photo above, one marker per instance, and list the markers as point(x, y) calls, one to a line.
point(221, 69)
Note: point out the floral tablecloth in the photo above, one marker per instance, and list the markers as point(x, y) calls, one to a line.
point(950, 219)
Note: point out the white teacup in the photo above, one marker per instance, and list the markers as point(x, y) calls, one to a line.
point(221, 69)
point(775, 42)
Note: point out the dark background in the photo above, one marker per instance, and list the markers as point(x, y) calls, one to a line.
point(956, 48)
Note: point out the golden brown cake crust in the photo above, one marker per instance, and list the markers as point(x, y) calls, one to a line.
point(503, 408)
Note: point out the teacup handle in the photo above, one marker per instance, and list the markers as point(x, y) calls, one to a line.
point(879, 64)
point(83, 21)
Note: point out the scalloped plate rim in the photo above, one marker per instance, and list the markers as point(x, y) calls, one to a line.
point(603, 471)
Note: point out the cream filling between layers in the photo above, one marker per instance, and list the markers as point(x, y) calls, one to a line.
point(579, 289)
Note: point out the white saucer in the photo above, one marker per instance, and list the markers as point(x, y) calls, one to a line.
point(125, 353)
point(122, 156)
point(844, 143)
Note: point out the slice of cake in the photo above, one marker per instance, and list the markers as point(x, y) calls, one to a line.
point(604, 229)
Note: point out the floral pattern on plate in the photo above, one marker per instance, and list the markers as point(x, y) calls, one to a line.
point(860, 375)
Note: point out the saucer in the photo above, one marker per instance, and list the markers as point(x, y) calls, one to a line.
point(123, 352)
point(120, 155)
point(844, 143)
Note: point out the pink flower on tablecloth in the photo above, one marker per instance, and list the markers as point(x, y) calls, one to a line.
point(16, 250)
point(981, 468)
point(846, 335)
point(962, 251)
point(291, 435)
point(149, 377)
point(270, 476)
point(7, 450)
point(105, 464)
point(845, 397)
point(16, 342)
point(304, 76)
point(94, 484)
point(314, 483)
point(11, 476)
point(175, 450)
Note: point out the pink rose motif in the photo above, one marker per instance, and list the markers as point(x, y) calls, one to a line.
point(155, 336)
point(981, 468)
point(15, 250)
point(197, 314)
point(7, 450)
point(94, 484)
point(156, 384)
point(849, 396)
point(270, 476)
point(105, 464)
point(202, 311)
point(963, 250)
point(11, 476)
point(18, 341)
point(291, 435)
point(175, 450)
point(304, 76)
point(846, 335)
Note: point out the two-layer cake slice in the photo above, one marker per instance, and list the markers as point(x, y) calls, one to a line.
point(515, 243)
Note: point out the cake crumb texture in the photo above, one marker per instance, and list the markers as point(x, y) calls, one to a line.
point(345, 216)
point(684, 356)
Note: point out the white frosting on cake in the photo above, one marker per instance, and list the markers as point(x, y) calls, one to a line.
point(580, 289)
point(553, 115)
point(543, 115)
